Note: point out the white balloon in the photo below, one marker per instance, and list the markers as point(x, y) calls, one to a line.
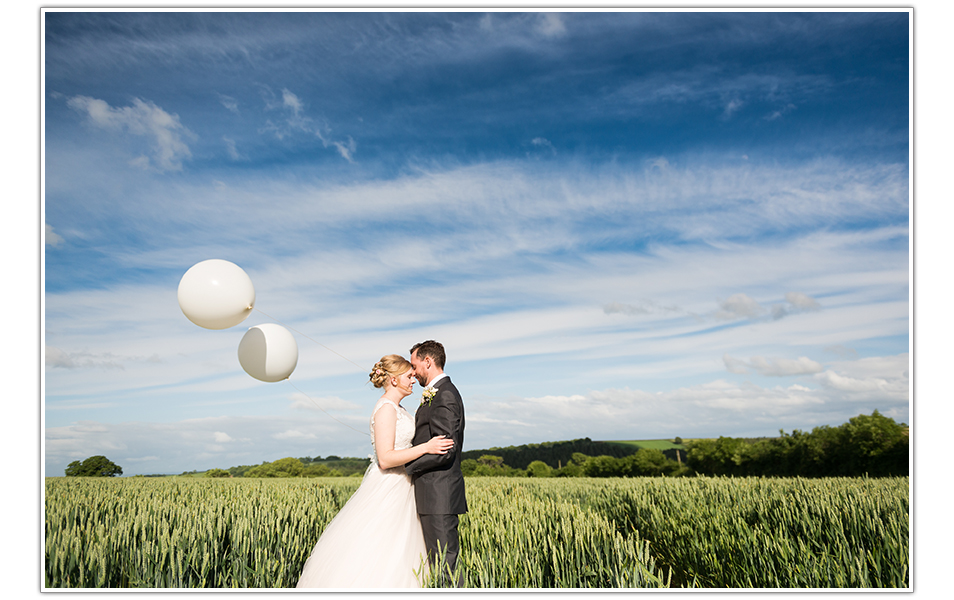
point(268, 352)
point(216, 294)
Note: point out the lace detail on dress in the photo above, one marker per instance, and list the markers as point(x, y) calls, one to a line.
point(403, 429)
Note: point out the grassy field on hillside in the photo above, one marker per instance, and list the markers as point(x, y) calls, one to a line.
point(650, 444)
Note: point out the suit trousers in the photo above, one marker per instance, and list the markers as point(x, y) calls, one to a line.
point(443, 529)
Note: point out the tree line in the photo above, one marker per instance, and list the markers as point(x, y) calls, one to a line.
point(867, 444)
point(331, 466)
point(554, 454)
point(873, 445)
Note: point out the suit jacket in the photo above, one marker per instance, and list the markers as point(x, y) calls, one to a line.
point(438, 481)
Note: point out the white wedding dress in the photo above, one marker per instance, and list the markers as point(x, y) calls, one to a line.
point(375, 540)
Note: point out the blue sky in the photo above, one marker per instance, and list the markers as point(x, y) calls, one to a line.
point(621, 225)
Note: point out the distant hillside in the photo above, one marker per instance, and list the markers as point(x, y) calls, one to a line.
point(554, 454)
point(670, 449)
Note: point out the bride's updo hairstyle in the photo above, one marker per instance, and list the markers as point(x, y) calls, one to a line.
point(389, 366)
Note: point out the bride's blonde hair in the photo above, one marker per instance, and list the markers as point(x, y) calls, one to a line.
point(391, 365)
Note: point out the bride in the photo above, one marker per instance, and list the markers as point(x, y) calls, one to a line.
point(375, 540)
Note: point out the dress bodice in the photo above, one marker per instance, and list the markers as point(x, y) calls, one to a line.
point(403, 428)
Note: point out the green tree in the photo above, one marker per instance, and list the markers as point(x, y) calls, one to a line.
point(262, 470)
point(538, 468)
point(602, 466)
point(877, 445)
point(491, 461)
point(314, 470)
point(578, 458)
point(701, 456)
point(648, 462)
point(488, 465)
point(283, 467)
point(94, 466)
point(217, 473)
point(570, 469)
point(573, 467)
point(288, 467)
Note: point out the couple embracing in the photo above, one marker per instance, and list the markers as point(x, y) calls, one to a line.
point(403, 519)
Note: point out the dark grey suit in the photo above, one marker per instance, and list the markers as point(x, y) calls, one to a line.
point(438, 481)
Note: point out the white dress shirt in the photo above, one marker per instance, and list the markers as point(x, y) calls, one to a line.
point(434, 381)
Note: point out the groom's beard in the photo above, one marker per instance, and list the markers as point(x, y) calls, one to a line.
point(420, 379)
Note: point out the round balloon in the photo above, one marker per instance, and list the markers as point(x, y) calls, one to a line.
point(268, 352)
point(216, 294)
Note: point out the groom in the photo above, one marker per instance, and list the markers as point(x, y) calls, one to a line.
point(438, 481)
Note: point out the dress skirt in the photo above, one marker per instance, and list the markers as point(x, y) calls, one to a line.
point(374, 541)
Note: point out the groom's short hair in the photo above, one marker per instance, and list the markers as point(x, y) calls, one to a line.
point(433, 349)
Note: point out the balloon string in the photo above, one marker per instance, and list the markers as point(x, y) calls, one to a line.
point(323, 410)
point(329, 350)
point(310, 338)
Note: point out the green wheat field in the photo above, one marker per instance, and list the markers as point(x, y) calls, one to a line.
point(520, 532)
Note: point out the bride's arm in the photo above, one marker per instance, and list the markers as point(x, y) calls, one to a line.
point(388, 458)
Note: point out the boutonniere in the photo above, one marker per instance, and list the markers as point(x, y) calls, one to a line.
point(427, 395)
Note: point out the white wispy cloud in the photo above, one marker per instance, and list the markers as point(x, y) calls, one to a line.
point(230, 103)
point(643, 307)
point(143, 118)
point(713, 88)
point(731, 108)
point(550, 24)
point(773, 367)
point(292, 434)
point(323, 403)
point(346, 148)
point(232, 148)
point(293, 103)
point(802, 301)
point(293, 114)
point(55, 357)
point(797, 302)
point(777, 114)
point(849, 384)
point(739, 306)
point(866, 378)
point(542, 142)
point(52, 238)
point(842, 351)
point(297, 121)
